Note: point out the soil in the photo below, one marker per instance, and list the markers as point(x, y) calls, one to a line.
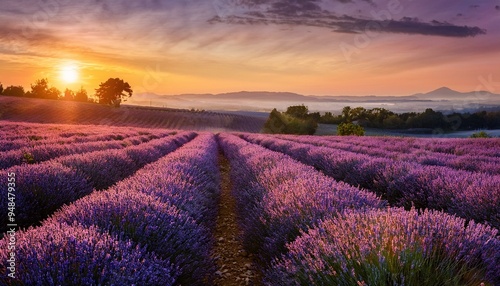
point(235, 266)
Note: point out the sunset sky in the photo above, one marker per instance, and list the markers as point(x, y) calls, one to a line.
point(312, 47)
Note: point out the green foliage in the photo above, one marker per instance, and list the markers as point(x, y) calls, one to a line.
point(284, 123)
point(481, 134)
point(429, 119)
point(393, 122)
point(14, 91)
point(345, 129)
point(298, 111)
point(113, 92)
point(329, 118)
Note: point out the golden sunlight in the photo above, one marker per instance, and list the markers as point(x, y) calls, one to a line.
point(69, 73)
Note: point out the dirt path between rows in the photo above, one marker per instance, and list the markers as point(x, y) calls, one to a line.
point(235, 266)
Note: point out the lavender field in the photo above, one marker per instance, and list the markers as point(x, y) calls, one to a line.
point(104, 205)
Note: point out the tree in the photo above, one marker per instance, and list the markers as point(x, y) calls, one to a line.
point(69, 94)
point(1, 88)
point(53, 93)
point(393, 122)
point(41, 90)
point(113, 91)
point(283, 123)
point(346, 113)
point(81, 95)
point(298, 111)
point(14, 91)
point(275, 124)
point(345, 129)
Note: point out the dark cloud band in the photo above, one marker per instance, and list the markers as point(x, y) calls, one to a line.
point(310, 13)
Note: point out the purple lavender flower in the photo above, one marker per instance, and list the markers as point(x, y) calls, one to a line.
point(391, 247)
point(59, 254)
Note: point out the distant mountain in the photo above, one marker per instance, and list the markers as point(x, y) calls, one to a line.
point(262, 101)
point(445, 93)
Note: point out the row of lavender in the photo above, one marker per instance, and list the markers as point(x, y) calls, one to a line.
point(470, 195)
point(153, 228)
point(45, 151)
point(14, 136)
point(43, 188)
point(481, 155)
point(308, 229)
point(459, 147)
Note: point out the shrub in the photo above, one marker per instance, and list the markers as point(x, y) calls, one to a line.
point(345, 129)
point(481, 134)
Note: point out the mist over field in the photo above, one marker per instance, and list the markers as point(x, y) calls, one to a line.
point(443, 99)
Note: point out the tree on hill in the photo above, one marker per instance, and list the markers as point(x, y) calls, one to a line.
point(113, 92)
point(68, 94)
point(1, 88)
point(81, 95)
point(41, 89)
point(14, 91)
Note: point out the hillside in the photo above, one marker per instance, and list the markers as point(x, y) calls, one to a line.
point(50, 111)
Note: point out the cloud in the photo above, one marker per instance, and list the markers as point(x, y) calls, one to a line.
point(311, 13)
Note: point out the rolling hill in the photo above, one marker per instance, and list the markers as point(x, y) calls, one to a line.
point(66, 112)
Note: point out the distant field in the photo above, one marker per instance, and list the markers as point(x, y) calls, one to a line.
point(64, 112)
point(331, 129)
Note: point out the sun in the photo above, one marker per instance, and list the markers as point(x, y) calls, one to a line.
point(69, 73)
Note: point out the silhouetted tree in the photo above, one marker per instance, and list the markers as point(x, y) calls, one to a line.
point(68, 94)
point(81, 95)
point(53, 93)
point(14, 91)
point(1, 88)
point(41, 90)
point(113, 91)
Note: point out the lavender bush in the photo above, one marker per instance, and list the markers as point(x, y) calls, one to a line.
point(162, 228)
point(105, 168)
point(59, 254)
point(187, 178)
point(278, 197)
point(391, 247)
point(402, 183)
point(39, 190)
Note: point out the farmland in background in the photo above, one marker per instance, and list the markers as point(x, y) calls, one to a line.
point(56, 111)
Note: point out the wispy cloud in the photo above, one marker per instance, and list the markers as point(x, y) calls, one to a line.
point(311, 13)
